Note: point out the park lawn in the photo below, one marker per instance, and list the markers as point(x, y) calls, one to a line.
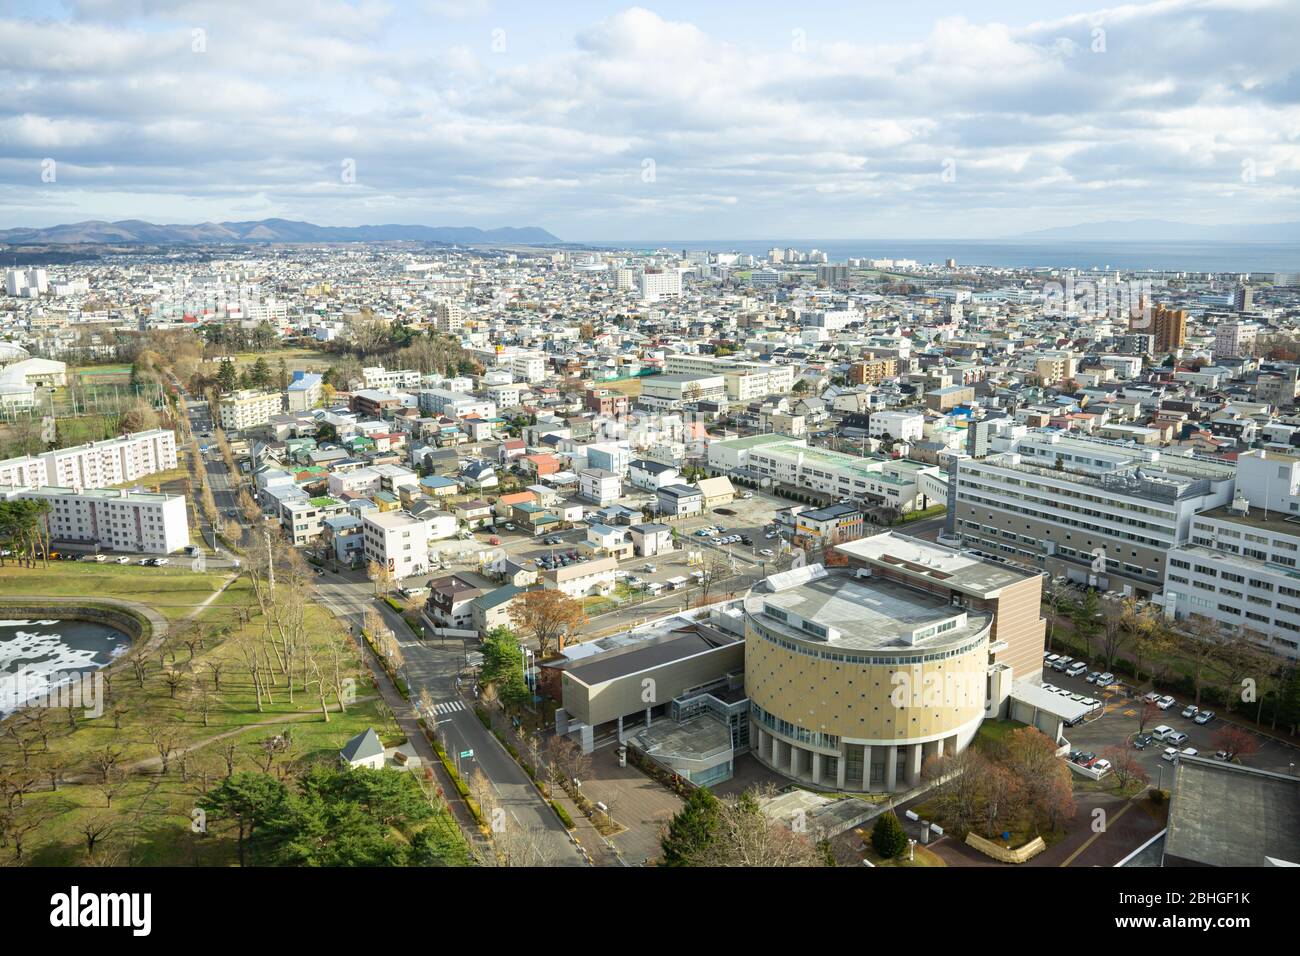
point(173, 591)
point(294, 359)
point(158, 808)
point(164, 809)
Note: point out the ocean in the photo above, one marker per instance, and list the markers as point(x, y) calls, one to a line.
point(1207, 256)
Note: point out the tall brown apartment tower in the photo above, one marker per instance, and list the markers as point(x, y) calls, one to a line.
point(1169, 326)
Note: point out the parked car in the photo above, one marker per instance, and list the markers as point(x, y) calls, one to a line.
point(649, 569)
point(123, 560)
point(1062, 663)
point(1105, 679)
point(1226, 755)
point(1101, 766)
point(1050, 659)
point(1151, 698)
point(1142, 741)
point(1204, 717)
point(161, 562)
point(1177, 738)
point(1092, 677)
point(766, 552)
point(1051, 688)
point(1075, 669)
point(1189, 752)
point(1191, 710)
point(746, 495)
point(1162, 731)
point(1164, 703)
point(1170, 754)
point(1085, 758)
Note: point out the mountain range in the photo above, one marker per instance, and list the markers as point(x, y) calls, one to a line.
point(129, 231)
point(1161, 230)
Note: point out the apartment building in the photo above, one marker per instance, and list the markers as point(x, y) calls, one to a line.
point(900, 426)
point(671, 392)
point(872, 371)
point(303, 519)
point(1096, 512)
point(582, 578)
point(442, 401)
point(599, 486)
point(528, 367)
point(378, 377)
point(100, 464)
point(397, 541)
point(305, 391)
point(249, 408)
point(112, 520)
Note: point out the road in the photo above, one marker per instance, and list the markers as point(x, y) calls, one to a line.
point(429, 665)
point(435, 665)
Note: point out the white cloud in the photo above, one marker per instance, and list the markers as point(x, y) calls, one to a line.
point(747, 139)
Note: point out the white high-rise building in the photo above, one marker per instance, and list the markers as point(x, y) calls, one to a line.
point(94, 465)
point(114, 520)
point(653, 286)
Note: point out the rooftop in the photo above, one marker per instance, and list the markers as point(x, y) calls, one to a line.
point(957, 569)
point(1221, 814)
point(863, 614)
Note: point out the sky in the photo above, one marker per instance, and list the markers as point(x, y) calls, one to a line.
point(604, 122)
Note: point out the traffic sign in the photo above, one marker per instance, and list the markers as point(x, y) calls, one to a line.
point(466, 754)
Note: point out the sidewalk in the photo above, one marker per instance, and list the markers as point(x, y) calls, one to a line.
point(584, 833)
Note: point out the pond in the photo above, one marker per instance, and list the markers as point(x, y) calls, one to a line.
point(39, 656)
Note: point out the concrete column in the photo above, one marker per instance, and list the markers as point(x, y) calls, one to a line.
point(776, 752)
point(794, 760)
point(891, 768)
point(840, 765)
point(620, 729)
point(938, 747)
point(647, 716)
point(817, 767)
point(913, 765)
point(588, 739)
point(866, 766)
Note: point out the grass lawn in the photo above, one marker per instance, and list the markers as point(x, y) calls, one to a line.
point(922, 857)
point(153, 808)
point(994, 732)
point(294, 359)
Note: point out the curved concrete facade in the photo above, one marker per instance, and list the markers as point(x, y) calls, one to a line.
point(862, 709)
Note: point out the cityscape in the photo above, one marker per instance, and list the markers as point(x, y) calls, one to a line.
point(334, 537)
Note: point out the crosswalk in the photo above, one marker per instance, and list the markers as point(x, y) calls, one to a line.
point(448, 707)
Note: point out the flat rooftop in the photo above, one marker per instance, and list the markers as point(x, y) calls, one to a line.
point(1221, 814)
point(655, 651)
point(925, 559)
point(699, 738)
point(1274, 520)
point(864, 614)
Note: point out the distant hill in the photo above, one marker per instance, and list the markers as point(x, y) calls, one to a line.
point(1160, 230)
point(265, 230)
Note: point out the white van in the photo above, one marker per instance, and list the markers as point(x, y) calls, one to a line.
point(1075, 669)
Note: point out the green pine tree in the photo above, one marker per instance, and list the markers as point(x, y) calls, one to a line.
point(887, 836)
point(692, 830)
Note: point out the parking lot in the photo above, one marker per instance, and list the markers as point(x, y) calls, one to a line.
point(1116, 723)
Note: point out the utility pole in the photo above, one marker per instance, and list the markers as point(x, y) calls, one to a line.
point(270, 564)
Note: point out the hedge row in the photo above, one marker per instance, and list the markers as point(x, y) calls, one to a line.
point(563, 815)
